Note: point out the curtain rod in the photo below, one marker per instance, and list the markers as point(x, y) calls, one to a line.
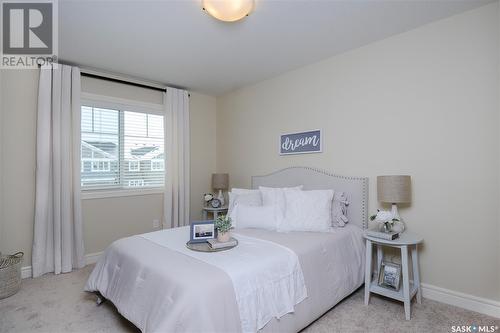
point(106, 78)
point(83, 72)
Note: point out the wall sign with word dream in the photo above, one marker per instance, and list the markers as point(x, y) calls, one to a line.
point(301, 143)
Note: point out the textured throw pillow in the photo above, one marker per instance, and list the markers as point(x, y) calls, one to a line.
point(339, 209)
point(261, 217)
point(307, 211)
point(274, 196)
point(245, 197)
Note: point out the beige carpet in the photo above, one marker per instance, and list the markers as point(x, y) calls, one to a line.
point(58, 304)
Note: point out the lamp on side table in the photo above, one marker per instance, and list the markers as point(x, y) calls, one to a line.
point(394, 189)
point(220, 181)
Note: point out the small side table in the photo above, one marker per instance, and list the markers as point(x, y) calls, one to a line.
point(214, 211)
point(407, 240)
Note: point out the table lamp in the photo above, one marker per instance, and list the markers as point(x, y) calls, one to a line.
point(220, 181)
point(394, 189)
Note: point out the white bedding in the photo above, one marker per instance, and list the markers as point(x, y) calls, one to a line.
point(266, 277)
point(162, 290)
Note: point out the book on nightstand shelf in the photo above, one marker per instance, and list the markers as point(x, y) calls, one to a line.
point(215, 244)
point(384, 235)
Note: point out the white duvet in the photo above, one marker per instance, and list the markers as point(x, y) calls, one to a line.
point(163, 290)
point(267, 278)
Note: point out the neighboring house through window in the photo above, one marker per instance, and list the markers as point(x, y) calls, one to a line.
point(118, 146)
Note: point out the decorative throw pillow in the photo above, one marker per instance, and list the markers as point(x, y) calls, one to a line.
point(243, 196)
point(275, 196)
point(339, 209)
point(307, 211)
point(261, 217)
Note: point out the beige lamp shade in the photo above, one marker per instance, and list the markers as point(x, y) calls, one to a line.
point(394, 189)
point(220, 181)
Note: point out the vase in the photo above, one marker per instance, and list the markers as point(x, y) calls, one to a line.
point(223, 237)
point(385, 227)
point(399, 226)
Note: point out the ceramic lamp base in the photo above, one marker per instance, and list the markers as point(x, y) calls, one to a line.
point(221, 198)
point(400, 225)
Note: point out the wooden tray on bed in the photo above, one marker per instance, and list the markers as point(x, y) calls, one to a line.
point(205, 247)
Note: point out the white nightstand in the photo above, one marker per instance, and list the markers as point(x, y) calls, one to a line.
point(214, 211)
point(408, 290)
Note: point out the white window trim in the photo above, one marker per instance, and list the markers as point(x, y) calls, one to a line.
point(115, 103)
point(102, 194)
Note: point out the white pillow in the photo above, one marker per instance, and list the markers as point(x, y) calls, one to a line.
point(274, 196)
point(243, 191)
point(307, 211)
point(262, 217)
point(246, 197)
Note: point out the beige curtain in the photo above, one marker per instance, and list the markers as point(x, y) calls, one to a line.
point(176, 198)
point(58, 240)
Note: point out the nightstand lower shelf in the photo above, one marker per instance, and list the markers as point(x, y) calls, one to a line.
point(397, 295)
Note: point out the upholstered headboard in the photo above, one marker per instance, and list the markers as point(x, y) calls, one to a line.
point(356, 188)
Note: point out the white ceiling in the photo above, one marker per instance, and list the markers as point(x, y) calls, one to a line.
point(176, 43)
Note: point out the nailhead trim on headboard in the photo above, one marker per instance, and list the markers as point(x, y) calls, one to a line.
point(363, 180)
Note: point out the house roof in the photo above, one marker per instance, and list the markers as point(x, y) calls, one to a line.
point(108, 149)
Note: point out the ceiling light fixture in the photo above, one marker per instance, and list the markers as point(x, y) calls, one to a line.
point(228, 10)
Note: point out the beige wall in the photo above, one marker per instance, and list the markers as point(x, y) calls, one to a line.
point(203, 152)
point(1, 154)
point(423, 103)
point(106, 219)
point(18, 160)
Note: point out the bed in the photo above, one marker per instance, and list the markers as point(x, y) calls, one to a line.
point(162, 289)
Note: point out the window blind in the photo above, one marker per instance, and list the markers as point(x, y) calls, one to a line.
point(121, 149)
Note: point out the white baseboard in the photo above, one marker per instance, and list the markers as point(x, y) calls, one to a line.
point(461, 300)
point(90, 258)
point(26, 272)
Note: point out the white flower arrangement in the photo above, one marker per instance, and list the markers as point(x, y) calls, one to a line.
point(208, 197)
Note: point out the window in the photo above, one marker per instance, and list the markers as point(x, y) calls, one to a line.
point(120, 148)
point(134, 166)
point(136, 183)
point(157, 165)
point(100, 166)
